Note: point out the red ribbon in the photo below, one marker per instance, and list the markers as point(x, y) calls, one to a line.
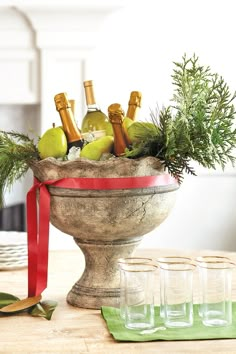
point(38, 218)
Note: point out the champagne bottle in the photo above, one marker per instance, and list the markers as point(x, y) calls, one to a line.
point(70, 128)
point(131, 115)
point(95, 119)
point(116, 115)
point(134, 104)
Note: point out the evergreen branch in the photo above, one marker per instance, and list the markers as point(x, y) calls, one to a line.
point(16, 150)
point(199, 125)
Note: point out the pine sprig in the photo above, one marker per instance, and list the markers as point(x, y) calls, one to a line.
point(199, 125)
point(204, 115)
point(16, 150)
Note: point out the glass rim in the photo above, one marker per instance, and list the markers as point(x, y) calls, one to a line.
point(191, 266)
point(226, 265)
point(170, 260)
point(140, 260)
point(218, 258)
point(128, 267)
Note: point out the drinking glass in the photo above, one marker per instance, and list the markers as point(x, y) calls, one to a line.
point(123, 261)
point(167, 260)
point(216, 280)
point(139, 282)
point(201, 260)
point(177, 290)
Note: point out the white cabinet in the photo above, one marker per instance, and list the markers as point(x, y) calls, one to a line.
point(19, 76)
point(19, 79)
point(44, 50)
point(63, 71)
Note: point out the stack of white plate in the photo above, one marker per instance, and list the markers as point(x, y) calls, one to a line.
point(13, 250)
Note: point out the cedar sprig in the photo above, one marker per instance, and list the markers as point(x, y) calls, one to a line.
point(205, 116)
point(16, 150)
point(163, 146)
point(199, 125)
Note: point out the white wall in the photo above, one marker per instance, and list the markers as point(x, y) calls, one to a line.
point(139, 43)
point(203, 216)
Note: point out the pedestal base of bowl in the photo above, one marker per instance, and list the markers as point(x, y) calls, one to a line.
point(99, 284)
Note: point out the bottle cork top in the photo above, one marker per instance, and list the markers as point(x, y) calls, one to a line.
point(135, 98)
point(115, 109)
point(61, 101)
point(88, 83)
point(116, 113)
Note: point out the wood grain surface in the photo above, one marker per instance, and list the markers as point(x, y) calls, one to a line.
point(76, 330)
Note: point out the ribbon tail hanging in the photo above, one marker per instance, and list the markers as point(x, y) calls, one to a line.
point(32, 234)
point(38, 238)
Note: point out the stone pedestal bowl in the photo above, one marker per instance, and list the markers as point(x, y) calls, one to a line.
point(105, 224)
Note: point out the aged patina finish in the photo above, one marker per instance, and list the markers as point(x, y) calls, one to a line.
point(105, 224)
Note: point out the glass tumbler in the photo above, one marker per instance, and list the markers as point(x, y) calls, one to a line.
point(177, 289)
point(139, 291)
point(168, 260)
point(201, 260)
point(216, 308)
point(123, 261)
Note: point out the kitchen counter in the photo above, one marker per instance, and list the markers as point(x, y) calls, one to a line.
point(77, 330)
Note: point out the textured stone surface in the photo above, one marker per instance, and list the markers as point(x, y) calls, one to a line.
point(106, 224)
point(115, 167)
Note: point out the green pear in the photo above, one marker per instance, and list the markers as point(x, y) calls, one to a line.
point(95, 149)
point(139, 131)
point(53, 143)
point(126, 124)
point(109, 129)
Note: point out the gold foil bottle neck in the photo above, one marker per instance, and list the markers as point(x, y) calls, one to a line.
point(89, 93)
point(115, 109)
point(61, 101)
point(70, 128)
point(135, 98)
point(116, 115)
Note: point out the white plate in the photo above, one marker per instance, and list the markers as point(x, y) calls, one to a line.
point(13, 252)
point(14, 263)
point(12, 238)
point(13, 258)
point(12, 248)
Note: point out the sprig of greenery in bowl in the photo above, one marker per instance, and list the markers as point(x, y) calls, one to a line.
point(199, 125)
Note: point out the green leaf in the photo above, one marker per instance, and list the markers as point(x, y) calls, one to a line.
point(43, 309)
point(7, 299)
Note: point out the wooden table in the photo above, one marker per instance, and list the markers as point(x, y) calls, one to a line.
point(76, 330)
